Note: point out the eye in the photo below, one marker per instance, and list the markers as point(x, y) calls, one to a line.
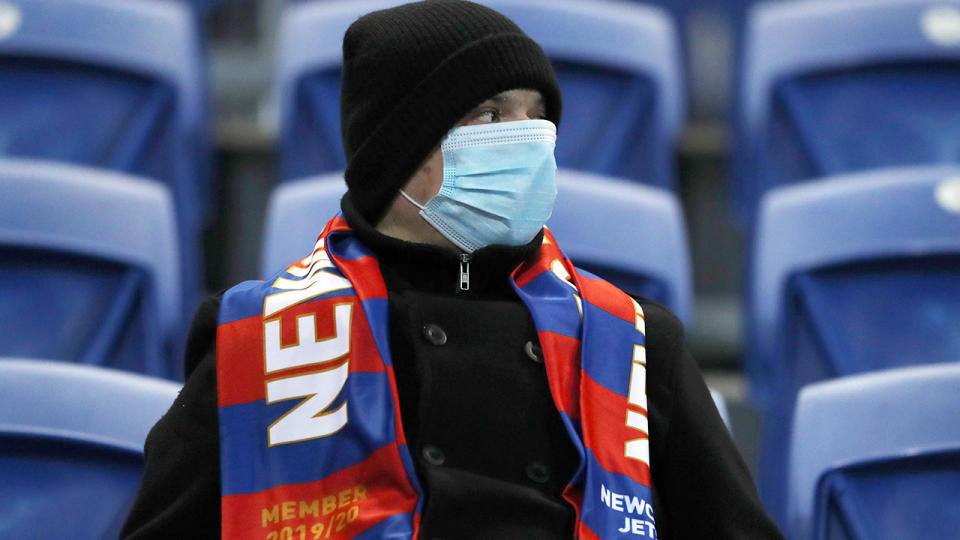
point(488, 116)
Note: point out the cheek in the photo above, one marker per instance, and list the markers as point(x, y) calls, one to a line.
point(432, 174)
point(426, 182)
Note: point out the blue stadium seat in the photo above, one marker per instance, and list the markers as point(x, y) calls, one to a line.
point(617, 63)
point(836, 87)
point(851, 274)
point(711, 40)
point(113, 85)
point(296, 214)
point(877, 456)
point(631, 234)
point(89, 268)
point(71, 446)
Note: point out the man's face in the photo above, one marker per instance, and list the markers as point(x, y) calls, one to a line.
point(509, 106)
point(402, 219)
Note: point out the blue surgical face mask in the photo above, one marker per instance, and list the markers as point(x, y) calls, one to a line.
point(499, 184)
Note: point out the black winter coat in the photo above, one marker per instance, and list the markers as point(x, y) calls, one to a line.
point(488, 443)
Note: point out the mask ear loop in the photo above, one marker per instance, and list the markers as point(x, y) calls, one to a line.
point(409, 198)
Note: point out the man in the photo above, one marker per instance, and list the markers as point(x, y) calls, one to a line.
point(436, 368)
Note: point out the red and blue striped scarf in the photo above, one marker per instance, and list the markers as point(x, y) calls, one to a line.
point(311, 439)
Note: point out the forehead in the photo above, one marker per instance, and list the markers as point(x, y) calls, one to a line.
point(518, 96)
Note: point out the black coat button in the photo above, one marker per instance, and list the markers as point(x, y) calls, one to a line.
point(433, 455)
point(434, 334)
point(533, 352)
point(538, 472)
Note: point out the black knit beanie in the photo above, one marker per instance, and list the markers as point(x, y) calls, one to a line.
point(411, 72)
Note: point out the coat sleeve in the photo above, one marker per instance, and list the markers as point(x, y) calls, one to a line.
point(179, 496)
point(703, 486)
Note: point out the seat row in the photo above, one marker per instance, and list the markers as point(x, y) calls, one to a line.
point(123, 89)
point(825, 256)
point(874, 456)
point(91, 269)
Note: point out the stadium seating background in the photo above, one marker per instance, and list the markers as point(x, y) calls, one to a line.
point(239, 50)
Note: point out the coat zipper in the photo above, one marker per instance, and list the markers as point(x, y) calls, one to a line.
point(465, 271)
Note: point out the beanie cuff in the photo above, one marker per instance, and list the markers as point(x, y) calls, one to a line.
point(403, 139)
